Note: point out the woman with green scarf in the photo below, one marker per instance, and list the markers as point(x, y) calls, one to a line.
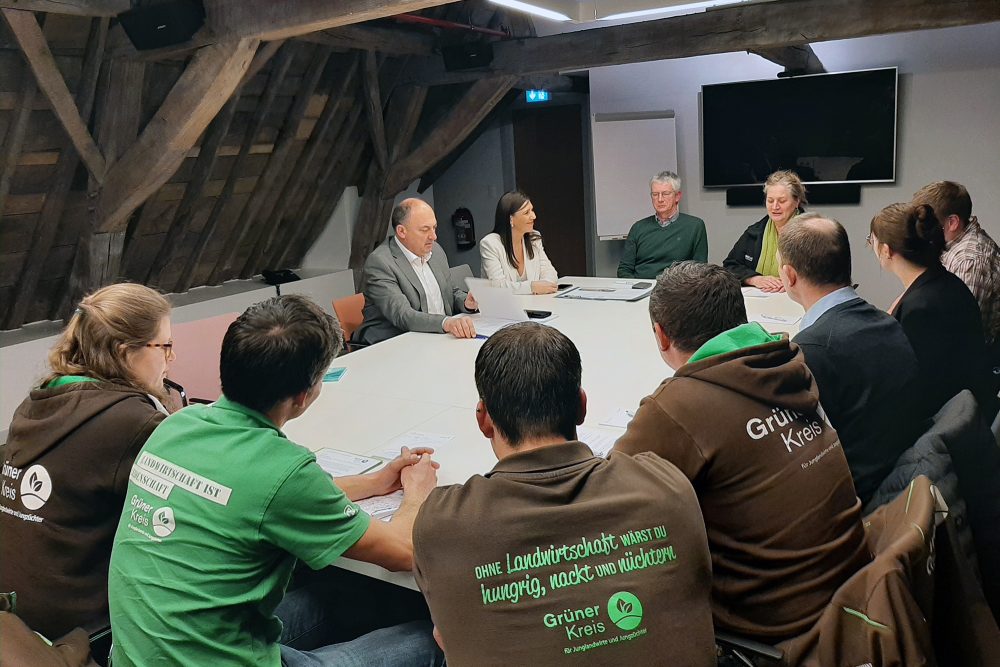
point(754, 257)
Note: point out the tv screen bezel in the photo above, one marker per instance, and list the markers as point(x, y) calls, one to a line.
point(895, 127)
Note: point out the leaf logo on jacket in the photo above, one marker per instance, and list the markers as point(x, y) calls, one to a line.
point(36, 487)
point(625, 610)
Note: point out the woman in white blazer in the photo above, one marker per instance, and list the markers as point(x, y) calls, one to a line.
point(513, 255)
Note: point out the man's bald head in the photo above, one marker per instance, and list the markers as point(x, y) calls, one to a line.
point(415, 226)
point(818, 249)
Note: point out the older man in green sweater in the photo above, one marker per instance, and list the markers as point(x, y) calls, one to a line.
point(666, 237)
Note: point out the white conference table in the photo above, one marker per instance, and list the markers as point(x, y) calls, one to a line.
point(424, 382)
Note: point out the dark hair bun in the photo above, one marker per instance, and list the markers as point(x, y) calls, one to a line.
point(927, 227)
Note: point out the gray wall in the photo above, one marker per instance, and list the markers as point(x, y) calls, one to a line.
point(949, 128)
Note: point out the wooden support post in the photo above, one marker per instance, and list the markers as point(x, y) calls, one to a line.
point(36, 51)
point(373, 109)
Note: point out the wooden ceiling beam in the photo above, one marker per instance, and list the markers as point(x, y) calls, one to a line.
point(75, 7)
point(795, 59)
point(36, 51)
point(749, 27)
point(393, 42)
point(16, 132)
point(267, 20)
point(206, 84)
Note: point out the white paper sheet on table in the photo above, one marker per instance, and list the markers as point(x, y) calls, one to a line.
point(755, 293)
point(619, 418)
point(776, 319)
point(613, 293)
point(412, 439)
point(599, 441)
point(341, 464)
point(487, 326)
point(382, 507)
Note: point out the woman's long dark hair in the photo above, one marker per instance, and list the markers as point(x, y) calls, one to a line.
point(509, 204)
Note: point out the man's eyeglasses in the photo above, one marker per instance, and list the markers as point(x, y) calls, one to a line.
point(662, 195)
point(168, 348)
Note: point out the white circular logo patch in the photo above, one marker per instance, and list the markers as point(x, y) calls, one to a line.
point(36, 487)
point(163, 521)
point(349, 511)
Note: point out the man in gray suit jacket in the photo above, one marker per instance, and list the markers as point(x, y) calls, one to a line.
point(407, 282)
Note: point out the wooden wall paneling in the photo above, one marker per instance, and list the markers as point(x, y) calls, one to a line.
point(55, 199)
point(36, 51)
point(257, 216)
point(350, 133)
point(14, 140)
point(196, 98)
point(336, 107)
point(204, 164)
point(279, 69)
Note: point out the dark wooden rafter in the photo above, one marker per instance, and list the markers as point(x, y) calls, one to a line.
point(208, 154)
point(279, 71)
point(16, 132)
point(431, 175)
point(192, 103)
point(749, 27)
point(344, 176)
point(278, 20)
point(372, 100)
point(336, 107)
point(795, 59)
point(47, 227)
point(256, 219)
point(30, 38)
point(302, 215)
point(78, 7)
point(463, 118)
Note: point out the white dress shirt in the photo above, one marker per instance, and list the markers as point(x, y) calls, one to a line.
point(435, 304)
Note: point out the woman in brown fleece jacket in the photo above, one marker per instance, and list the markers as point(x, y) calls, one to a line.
point(69, 452)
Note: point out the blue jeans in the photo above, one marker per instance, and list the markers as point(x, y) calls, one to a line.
point(406, 645)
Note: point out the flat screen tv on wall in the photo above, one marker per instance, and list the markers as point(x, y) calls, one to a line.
point(828, 128)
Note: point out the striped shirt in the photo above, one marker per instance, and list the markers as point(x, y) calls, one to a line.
point(975, 258)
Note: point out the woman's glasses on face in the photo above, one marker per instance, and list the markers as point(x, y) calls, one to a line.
point(168, 349)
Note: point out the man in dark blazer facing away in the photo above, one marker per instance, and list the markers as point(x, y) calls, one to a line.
point(860, 357)
point(407, 282)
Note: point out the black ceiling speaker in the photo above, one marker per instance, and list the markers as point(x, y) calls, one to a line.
point(154, 25)
point(468, 55)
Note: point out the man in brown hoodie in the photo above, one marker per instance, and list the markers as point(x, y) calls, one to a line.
point(740, 419)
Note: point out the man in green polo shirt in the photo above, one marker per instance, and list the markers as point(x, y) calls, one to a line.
point(221, 505)
point(666, 237)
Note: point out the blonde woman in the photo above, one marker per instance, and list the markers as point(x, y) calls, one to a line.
point(754, 257)
point(69, 452)
point(513, 255)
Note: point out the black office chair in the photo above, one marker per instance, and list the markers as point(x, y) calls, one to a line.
point(736, 651)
